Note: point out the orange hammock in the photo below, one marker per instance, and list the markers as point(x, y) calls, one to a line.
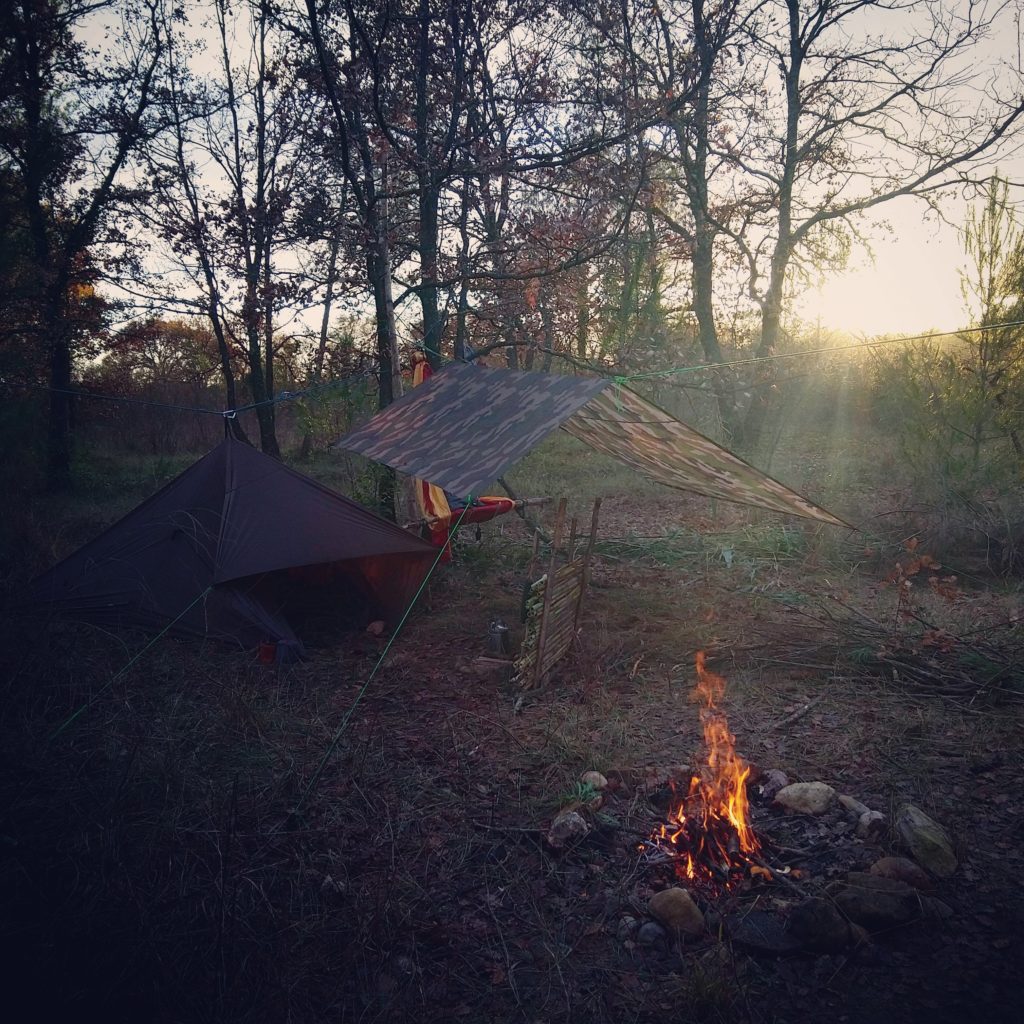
point(440, 513)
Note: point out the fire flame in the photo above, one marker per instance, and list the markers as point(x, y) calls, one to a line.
point(708, 832)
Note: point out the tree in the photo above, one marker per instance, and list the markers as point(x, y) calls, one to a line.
point(343, 66)
point(178, 214)
point(953, 404)
point(715, 39)
point(861, 104)
point(993, 288)
point(228, 186)
point(71, 116)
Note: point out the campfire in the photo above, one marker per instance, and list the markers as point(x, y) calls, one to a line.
point(708, 833)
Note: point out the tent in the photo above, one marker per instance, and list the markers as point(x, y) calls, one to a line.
point(241, 548)
point(466, 425)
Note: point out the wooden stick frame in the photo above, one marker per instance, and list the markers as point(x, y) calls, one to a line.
point(562, 603)
point(556, 539)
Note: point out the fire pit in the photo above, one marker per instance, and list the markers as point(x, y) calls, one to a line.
point(801, 870)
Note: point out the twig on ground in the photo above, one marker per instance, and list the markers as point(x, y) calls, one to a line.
point(798, 714)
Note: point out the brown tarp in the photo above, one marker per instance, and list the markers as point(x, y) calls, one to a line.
point(466, 425)
point(261, 538)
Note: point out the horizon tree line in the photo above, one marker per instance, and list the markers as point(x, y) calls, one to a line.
point(607, 185)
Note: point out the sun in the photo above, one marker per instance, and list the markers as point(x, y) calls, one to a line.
point(912, 284)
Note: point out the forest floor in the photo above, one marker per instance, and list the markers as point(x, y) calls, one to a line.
point(165, 858)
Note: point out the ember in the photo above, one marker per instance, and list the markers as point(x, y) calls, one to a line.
point(708, 832)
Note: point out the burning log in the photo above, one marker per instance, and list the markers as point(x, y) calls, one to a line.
point(708, 832)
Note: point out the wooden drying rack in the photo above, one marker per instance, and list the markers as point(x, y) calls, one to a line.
point(555, 601)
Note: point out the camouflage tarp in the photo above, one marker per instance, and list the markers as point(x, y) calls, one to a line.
point(620, 423)
point(467, 424)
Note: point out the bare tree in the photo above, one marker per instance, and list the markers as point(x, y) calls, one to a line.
point(66, 160)
point(862, 103)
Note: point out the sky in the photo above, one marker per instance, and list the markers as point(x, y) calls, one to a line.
point(911, 284)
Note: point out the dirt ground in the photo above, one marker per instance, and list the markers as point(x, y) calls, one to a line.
point(167, 856)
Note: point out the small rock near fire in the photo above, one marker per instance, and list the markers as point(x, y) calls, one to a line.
point(567, 826)
point(903, 870)
point(819, 926)
point(761, 931)
point(773, 781)
point(806, 797)
point(875, 902)
point(675, 909)
point(855, 807)
point(595, 780)
point(871, 825)
point(650, 933)
point(928, 841)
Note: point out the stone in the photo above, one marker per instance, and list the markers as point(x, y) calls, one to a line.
point(875, 902)
point(761, 931)
point(819, 926)
point(935, 909)
point(772, 781)
point(627, 926)
point(806, 797)
point(903, 870)
point(871, 825)
point(376, 628)
point(674, 908)
point(595, 780)
point(927, 841)
point(567, 827)
point(855, 807)
point(651, 933)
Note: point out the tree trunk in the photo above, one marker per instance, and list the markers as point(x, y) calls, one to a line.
point(707, 333)
point(428, 271)
point(583, 315)
point(378, 270)
point(749, 435)
point(58, 461)
point(427, 187)
point(268, 350)
point(512, 355)
point(223, 348)
point(548, 322)
point(325, 326)
point(461, 327)
point(258, 387)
